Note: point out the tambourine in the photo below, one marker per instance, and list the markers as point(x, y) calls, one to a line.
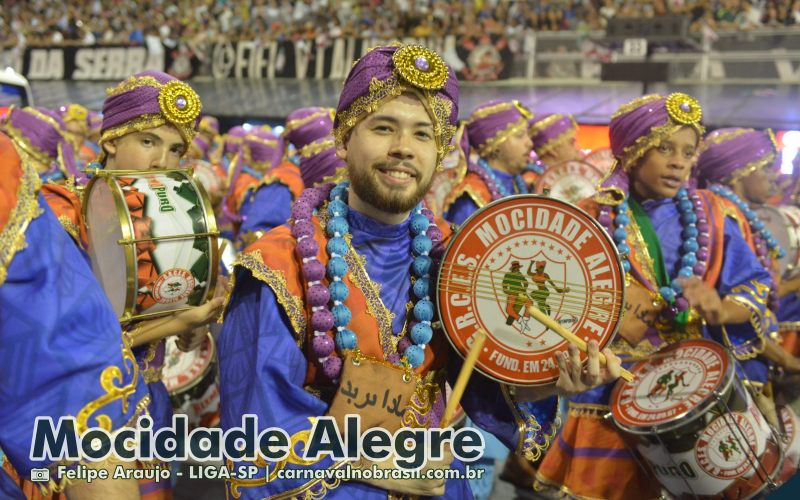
point(570, 181)
point(522, 251)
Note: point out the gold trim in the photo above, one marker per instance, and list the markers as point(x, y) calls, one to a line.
point(757, 295)
point(527, 447)
point(292, 125)
point(23, 145)
point(789, 326)
point(751, 167)
point(636, 239)
point(12, 236)
point(561, 491)
point(673, 103)
point(316, 148)
point(502, 135)
point(545, 122)
point(555, 142)
point(635, 104)
point(721, 137)
point(71, 228)
point(470, 191)
point(292, 305)
point(482, 113)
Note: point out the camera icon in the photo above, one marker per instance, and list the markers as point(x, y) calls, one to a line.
point(40, 475)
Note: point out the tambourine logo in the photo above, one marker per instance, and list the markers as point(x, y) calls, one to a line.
point(571, 181)
point(668, 387)
point(520, 252)
point(724, 448)
point(173, 286)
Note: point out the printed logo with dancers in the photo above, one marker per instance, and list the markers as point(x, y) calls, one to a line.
point(519, 297)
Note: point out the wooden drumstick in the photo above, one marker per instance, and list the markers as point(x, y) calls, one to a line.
point(463, 377)
point(571, 337)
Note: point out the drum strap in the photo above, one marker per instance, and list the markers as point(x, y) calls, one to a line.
point(654, 248)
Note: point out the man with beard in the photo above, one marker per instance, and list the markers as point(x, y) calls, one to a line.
point(294, 343)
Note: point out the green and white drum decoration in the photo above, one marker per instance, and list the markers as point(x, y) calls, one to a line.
point(152, 241)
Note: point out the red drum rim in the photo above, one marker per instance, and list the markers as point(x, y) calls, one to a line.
point(523, 354)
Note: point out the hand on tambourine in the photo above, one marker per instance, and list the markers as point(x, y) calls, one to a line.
point(189, 341)
point(415, 487)
point(574, 378)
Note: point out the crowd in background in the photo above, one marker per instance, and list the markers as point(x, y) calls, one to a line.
point(90, 22)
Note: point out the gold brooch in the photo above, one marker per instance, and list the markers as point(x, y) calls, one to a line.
point(421, 67)
point(179, 102)
point(76, 112)
point(683, 109)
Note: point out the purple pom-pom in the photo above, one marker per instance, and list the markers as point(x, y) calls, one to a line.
point(700, 268)
point(703, 228)
point(332, 367)
point(434, 233)
point(302, 228)
point(681, 303)
point(703, 240)
point(307, 248)
point(322, 345)
point(318, 295)
point(604, 219)
point(301, 210)
point(702, 254)
point(404, 343)
point(314, 270)
point(393, 358)
point(322, 320)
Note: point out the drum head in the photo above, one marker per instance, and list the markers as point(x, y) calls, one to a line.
point(570, 181)
point(184, 370)
point(204, 173)
point(601, 159)
point(106, 216)
point(672, 387)
point(526, 251)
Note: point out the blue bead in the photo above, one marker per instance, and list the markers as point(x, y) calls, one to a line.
point(620, 235)
point(689, 218)
point(686, 272)
point(685, 206)
point(772, 242)
point(337, 267)
point(421, 288)
point(415, 355)
point(690, 245)
point(748, 212)
point(346, 339)
point(338, 192)
point(423, 310)
point(338, 291)
point(626, 266)
point(622, 220)
point(676, 287)
point(682, 193)
point(337, 208)
point(421, 333)
point(623, 207)
point(337, 225)
point(421, 244)
point(690, 232)
point(689, 259)
point(341, 315)
point(419, 223)
point(668, 293)
point(421, 266)
point(758, 225)
point(781, 253)
point(623, 248)
point(336, 245)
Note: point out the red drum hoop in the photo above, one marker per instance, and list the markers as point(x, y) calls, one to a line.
point(528, 250)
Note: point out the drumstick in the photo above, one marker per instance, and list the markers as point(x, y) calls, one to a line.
point(571, 337)
point(463, 377)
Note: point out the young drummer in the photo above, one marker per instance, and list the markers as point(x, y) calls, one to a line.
point(688, 266)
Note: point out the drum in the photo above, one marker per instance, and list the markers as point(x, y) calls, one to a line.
point(570, 181)
point(191, 380)
point(601, 159)
point(152, 241)
point(696, 425)
point(525, 251)
point(789, 425)
point(205, 174)
point(784, 223)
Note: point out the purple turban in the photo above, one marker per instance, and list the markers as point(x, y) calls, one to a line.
point(550, 130)
point(209, 124)
point(318, 161)
point(233, 139)
point(39, 132)
point(641, 125)
point(306, 125)
point(95, 122)
point(201, 144)
point(494, 122)
point(730, 154)
point(148, 100)
point(261, 150)
point(386, 72)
